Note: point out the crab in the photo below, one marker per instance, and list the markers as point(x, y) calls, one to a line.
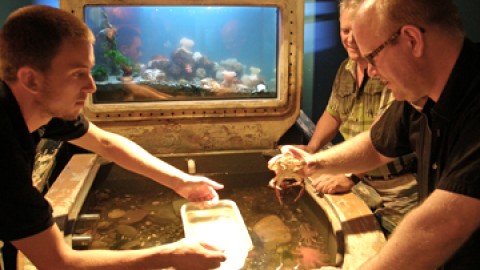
point(286, 168)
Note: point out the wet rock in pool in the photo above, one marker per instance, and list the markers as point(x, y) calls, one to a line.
point(163, 215)
point(133, 216)
point(126, 230)
point(116, 213)
point(177, 205)
point(130, 245)
point(272, 232)
point(103, 225)
point(151, 205)
point(99, 245)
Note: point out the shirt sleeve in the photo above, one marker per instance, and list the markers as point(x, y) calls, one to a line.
point(23, 212)
point(385, 101)
point(461, 173)
point(61, 130)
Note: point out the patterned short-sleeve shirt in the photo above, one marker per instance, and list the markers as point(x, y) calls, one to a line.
point(358, 107)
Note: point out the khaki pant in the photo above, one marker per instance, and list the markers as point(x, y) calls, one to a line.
point(390, 199)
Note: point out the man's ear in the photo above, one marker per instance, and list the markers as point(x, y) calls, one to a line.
point(415, 39)
point(30, 79)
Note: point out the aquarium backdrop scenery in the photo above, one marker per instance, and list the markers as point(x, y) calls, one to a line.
point(157, 53)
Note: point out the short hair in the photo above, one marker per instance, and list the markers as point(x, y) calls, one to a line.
point(422, 13)
point(349, 4)
point(32, 36)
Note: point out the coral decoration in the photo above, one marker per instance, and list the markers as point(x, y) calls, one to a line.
point(186, 44)
point(229, 77)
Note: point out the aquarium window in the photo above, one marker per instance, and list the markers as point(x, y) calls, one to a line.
point(175, 53)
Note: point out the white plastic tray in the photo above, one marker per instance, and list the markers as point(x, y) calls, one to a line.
point(220, 225)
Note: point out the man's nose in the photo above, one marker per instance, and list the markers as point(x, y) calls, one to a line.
point(350, 38)
point(91, 87)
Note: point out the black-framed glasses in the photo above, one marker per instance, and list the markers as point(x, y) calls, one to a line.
point(371, 56)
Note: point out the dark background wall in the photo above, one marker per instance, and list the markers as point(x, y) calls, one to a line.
point(323, 50)
point(7, 6)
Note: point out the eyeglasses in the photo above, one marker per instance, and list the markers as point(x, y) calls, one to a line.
point(371, 56)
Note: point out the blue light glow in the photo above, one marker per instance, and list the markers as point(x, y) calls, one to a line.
point(53, 3)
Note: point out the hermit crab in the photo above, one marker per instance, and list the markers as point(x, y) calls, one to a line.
point(286, 168)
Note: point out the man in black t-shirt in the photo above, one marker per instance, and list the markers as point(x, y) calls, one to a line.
point(418, 48)
point(45, 59)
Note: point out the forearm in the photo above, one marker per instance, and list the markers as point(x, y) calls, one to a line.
point(325, 130)
point(356, 155)
point(130, 156)
point(47, 250)
point(157, 258)
point(181, 255)
point(430, 234)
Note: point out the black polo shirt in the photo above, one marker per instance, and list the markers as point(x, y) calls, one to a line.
point(446, 138)
point(23, 210)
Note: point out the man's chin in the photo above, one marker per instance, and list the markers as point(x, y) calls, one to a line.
point(70, 117)
point(355, 56)
point(397, 97)
point(419, 103)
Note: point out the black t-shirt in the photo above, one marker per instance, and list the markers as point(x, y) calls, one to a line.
point(23, 210)
point(446, 138)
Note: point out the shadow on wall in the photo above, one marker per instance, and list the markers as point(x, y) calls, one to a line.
point(7, 7)
point(469, 11)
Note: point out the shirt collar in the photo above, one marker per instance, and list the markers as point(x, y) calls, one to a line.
point(10, 104)
point(351, 67)
point(457, 91)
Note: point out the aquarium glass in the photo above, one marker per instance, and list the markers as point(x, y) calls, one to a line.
point(165, 53)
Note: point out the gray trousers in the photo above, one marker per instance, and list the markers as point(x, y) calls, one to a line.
point(390, 199)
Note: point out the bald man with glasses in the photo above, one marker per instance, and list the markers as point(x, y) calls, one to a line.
point(355, 102)
point(433, 71)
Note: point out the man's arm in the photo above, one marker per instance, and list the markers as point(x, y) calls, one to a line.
point(47, 250)
point(332, 184)
point(325, 130)
point(356, 155)
point(430, 234)
point(131, 156)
